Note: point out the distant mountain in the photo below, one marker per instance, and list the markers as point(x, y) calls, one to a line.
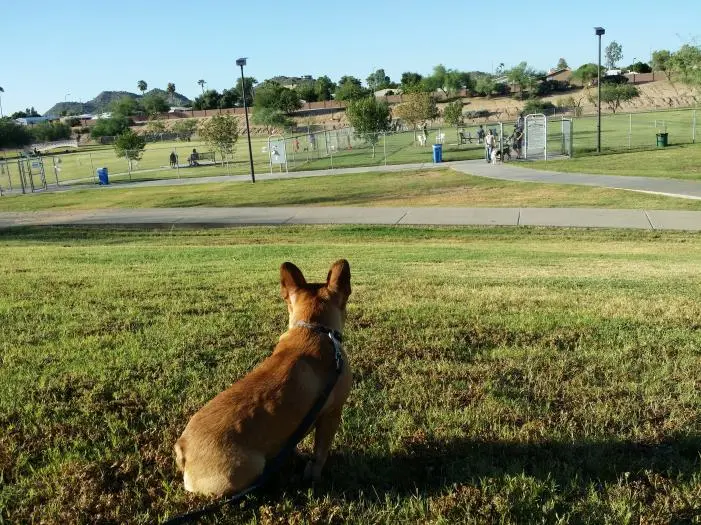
point(101, 103)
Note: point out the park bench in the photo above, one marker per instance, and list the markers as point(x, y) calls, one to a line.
point(465, 139)
point(207, 158)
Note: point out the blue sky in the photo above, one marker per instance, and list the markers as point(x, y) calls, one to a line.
point(52, 48)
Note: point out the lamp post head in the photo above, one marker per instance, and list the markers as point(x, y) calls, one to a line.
point(599, 31)
point(241, 62)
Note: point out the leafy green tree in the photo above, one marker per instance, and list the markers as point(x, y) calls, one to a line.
point(210, 99)
point(640, 67)
point(378, 80)
point(350, 88)
point(130, 146)
point(271, 94)
point(561, 64)
point(615, 94)
point(272, 118)
point(171, 92)
point(201, 83)
point(662, 61)
point(249, 82)
point(324, 88)
point(185, 128)
point(109, 127)
point(154, 104)
point(13, 135)
point(525, 77)
point(687, 64)
point(28, 112)
point(485, 85)
point(143, 86)
point(124, 107)
point(307, 91)
point(369, 118)
point(229, 98)
point(585, 74)
point(410, 81)
point(220, 133)
point(452, 114)
point(613, 54)
point(418, 107)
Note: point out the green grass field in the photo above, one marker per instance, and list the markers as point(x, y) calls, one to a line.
point(501, 375)
point(436, 187)
point(679, 162)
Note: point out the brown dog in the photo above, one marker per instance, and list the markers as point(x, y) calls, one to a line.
point(225, 446)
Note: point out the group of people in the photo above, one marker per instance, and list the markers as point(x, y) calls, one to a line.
point(191, 160)
point(491, 141)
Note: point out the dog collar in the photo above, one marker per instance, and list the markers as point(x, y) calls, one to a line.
point(335, 336)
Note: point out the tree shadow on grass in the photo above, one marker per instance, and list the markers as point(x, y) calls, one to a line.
point(433, 468)
point(433, 465)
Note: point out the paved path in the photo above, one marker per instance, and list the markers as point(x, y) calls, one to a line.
point(511, 171)
point(171, 217)
point(670, 187)
point(559, 217)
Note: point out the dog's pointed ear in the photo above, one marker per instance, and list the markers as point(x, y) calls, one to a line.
point(338, 280)
point(291, 279)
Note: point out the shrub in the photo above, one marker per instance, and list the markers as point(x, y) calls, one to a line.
point(50, 131)
point(535, 105)
point(479, 113)
point(13, 135)
point(614, 79)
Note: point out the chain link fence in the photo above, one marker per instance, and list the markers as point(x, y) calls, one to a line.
point(336, 148)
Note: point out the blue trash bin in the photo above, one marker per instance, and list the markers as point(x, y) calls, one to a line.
point(437, 153)
point(102, 176)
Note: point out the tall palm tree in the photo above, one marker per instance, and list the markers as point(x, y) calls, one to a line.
point(1, 91)
point(201, 82)
point(171, 91)
point(143, 86)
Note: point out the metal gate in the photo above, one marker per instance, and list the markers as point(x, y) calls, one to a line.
point(536, 136)
point(566, 146)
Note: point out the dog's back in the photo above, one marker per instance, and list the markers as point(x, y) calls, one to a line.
point(226, 444)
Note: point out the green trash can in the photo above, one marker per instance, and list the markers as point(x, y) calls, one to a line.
point(662, 140)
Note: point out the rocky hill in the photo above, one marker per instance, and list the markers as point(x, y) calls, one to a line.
point(102, 102)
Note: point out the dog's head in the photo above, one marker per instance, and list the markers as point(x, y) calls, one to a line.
point(323, 303)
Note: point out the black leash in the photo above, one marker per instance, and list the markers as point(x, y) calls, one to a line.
point(275, 464)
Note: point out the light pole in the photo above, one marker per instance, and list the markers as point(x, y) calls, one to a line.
point(634, 62)
point(598, 31)
point(242, 62)
point(1, 91)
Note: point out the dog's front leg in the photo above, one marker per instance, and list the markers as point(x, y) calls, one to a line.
point(326, 427)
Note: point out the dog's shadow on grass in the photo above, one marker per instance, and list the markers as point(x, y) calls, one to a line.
point(431, 467)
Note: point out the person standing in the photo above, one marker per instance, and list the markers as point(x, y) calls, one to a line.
point(173, 159)
point(518, 142)
point(490, 143)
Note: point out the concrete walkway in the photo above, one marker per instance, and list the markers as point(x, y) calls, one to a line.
point(510, 171)
point(513, 172)
point(172, 217)
point(557, 217)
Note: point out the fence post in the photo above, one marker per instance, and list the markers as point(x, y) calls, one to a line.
point(384, 146)
point(630, 127)
point(693, 128)
point(94, 175)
